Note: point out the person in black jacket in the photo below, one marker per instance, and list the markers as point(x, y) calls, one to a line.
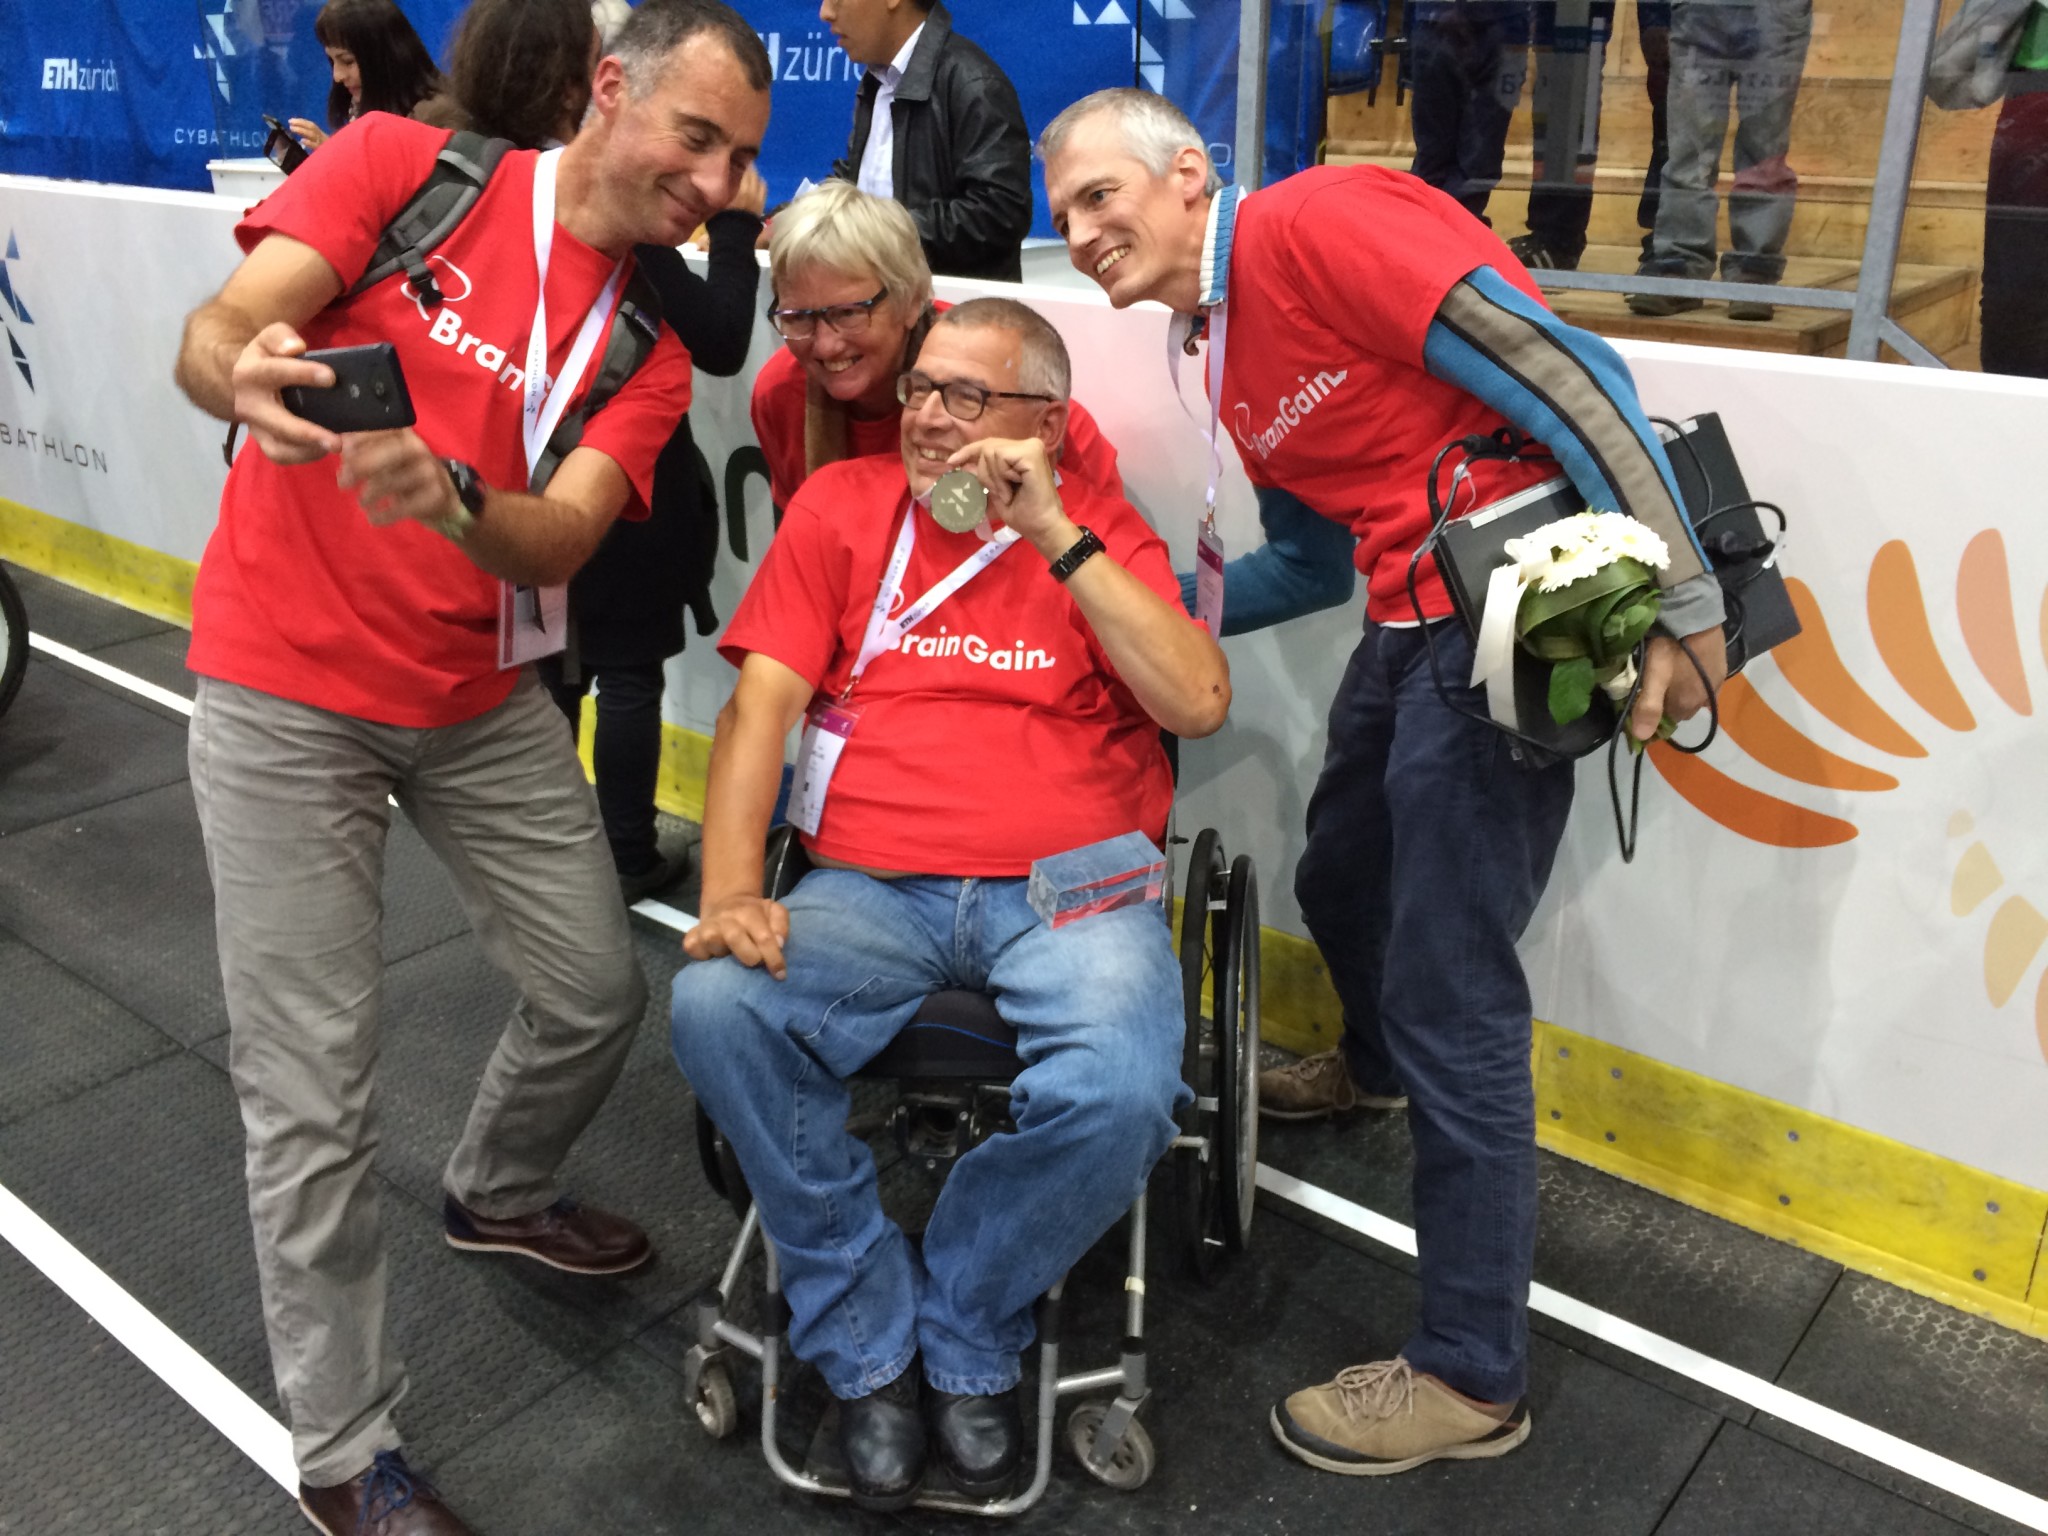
point(510, 61)
point(950, 146)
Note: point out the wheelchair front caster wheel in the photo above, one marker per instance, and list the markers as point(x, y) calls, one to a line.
point(718, 1409)
point(1133, 1462)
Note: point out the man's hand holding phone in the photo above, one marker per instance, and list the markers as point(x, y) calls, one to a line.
point(272, 362)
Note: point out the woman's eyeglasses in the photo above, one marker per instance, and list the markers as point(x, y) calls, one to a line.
point(846, 319)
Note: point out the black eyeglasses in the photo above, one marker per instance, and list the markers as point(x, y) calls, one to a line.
point(963, 401)
point(846, 319)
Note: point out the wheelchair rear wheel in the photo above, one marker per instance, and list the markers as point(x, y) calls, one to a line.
point(1234, 1151)
point(1192, 1204)
point(13, 640)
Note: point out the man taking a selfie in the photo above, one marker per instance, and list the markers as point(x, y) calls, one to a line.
point(357, 621)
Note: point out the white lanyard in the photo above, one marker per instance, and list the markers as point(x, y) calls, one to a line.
point(1219, 319)
point(885, 633)
point(544, 406)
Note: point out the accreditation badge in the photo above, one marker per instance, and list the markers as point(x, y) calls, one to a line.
point(532, 622)
point(826, 732)
point(1209, 577)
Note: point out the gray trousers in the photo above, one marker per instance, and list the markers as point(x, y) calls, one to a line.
point(292, 802)
point(1754, 50)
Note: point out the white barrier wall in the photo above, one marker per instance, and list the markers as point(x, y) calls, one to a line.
point(1886, 972)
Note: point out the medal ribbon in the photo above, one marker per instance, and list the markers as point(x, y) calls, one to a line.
point(885, 633)
point(544, 406)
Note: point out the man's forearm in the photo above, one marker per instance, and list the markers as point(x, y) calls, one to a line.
point(739, 796)
point(1172, 667)
point(215, 335)
point(532, 540)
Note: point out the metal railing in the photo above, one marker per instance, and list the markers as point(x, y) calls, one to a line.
point(1868, 304)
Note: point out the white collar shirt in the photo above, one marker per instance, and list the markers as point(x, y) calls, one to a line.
point(877, 170)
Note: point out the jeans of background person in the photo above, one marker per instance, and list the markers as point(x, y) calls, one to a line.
point(2015, 291)
point(1096, 1006)
point(1429, 844)
point(292, 803)
point(1653, 32)
point(1753, 51)
point(1466, 63)
point(1560, 204)
point(626, 751)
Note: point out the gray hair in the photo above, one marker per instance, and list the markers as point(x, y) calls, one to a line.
point(657, 28)
point(1153, 129)
point(1042, 366)
point(609, 16)
point(842, 229)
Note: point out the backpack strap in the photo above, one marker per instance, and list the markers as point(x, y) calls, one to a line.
point(461, 170)
point(635, 327)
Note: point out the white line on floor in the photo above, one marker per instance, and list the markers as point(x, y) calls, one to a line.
point(659, 912)
point(181, 1367)
point(115, 675)
point(1852, 1434)
point(266, 1443)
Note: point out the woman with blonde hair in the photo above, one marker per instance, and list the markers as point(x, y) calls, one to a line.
point(852, 300)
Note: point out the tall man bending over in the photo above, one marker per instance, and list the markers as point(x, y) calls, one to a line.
point(1016, 719)
point(344, 630)
point(1429, 838)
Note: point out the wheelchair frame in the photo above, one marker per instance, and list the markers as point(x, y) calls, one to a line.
point(13, 639)
point(1209, 1170)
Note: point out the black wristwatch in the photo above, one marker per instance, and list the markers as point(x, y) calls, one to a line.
point(470, 489)
point(1083, 549)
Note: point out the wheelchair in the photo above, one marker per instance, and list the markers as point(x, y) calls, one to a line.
point(13, 640)
point(953, 1065)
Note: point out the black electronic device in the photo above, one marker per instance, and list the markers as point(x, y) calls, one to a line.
point(369, 393)
point(280, 148)
point(1739, 549)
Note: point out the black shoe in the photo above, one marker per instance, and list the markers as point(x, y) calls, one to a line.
point(981, 1440)
point(882, 1438)
point(664, 873)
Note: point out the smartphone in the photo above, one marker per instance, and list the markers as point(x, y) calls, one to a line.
point(280, 148)
point(369, 393)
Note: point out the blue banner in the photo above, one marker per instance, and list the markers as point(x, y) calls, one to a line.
point(148, 91)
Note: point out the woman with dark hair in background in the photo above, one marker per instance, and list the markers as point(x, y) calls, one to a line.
point(379, 63)
point(520, 70)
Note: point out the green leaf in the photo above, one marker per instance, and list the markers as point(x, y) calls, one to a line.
point(1571, 689)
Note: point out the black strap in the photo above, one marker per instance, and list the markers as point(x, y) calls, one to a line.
point(635, 327)
point(461, 170)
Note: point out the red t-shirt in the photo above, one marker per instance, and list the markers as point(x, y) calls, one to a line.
point(298, 595)
point(778, 408)
point(1335, 276)
point(998, 733)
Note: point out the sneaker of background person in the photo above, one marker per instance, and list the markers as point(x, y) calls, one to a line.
point(1315, 1086)
point(1531, 251)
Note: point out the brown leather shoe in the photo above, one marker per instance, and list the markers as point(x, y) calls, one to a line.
point(1315, 1086)
point(387, 1499)
point(578, 1238)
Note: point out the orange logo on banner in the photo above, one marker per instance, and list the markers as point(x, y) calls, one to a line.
point(1906, 645)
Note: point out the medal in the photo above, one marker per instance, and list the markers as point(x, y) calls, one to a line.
point(958, 501)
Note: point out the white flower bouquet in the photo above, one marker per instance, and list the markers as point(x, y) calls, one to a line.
point(1587, 595)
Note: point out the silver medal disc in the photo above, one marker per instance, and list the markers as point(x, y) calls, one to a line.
point(958, 501)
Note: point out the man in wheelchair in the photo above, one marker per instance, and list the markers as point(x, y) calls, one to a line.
point(973, 706)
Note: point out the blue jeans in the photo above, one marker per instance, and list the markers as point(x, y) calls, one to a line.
point(1429, 843)
point(1097, 1010)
